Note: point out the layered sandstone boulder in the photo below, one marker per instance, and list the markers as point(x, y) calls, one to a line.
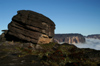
point(29, 26)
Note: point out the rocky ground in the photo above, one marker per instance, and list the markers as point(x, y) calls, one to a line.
point(52, 54)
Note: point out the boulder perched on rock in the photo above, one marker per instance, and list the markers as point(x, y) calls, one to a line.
point(29, 26)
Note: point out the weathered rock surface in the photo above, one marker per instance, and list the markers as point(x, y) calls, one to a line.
point(29, 26)
point(95, 36)
point(69, 38)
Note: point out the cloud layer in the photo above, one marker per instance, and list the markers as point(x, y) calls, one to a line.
point(90, 43)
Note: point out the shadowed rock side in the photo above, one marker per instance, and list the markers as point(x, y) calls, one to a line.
point(95, 36)
point(69, 38)
point(29, 26)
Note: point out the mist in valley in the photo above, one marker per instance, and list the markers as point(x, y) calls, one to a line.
point(90, 43)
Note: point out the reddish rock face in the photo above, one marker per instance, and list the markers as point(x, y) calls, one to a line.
point(30, 26)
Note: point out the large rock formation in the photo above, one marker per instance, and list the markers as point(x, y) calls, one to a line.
point(29, 26)
point(69, 38)
point(95, 36)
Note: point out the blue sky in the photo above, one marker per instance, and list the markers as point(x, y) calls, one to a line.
point(70, 16)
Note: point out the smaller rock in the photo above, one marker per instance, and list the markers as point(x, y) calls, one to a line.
point(38, 47)
point(2, 36)
point(29, 45)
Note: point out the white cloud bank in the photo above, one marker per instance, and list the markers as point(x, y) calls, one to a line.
point(90, 43)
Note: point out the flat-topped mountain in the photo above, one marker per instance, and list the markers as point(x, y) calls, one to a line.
point(69, 38)
point(95, 36)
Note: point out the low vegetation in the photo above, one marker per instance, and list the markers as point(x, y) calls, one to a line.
point(51, 54)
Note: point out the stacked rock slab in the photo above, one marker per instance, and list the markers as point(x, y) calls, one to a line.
point(29, 26)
